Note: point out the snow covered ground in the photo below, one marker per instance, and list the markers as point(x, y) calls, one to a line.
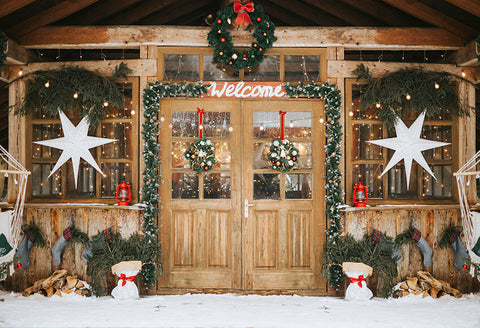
point(237, 311)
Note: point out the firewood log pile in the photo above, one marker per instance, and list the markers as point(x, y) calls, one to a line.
point(424, 283)
point(59, 282)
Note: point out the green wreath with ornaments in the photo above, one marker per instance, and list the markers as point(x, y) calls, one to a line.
point(241, 14)
point(283, 155)
point(201, 155)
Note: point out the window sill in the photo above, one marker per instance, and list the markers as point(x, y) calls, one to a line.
point(398, 207)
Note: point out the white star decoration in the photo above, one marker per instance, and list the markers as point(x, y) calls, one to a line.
point(75, 145)
point(408, 146)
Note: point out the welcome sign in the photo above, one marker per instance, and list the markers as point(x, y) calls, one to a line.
point(265, 90)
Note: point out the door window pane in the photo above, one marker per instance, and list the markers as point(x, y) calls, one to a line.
point(216, 124)
point(181, 67)
point(223, 155)
point(184, 124)
point(216, 186)
point(266, 125)
point(268, 70)
point(185, 185)
point(213, 71)
point(260, 151)
point(266, 186)
point(302, 68)
point(298, 186)
point(305, 155)
point(178, 151)
point(298, 124)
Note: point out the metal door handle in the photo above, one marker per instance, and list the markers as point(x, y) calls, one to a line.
point(247, 205)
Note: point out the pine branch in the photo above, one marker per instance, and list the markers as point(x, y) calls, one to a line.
point(34, 233)
point(406, 237)
point(448, 235)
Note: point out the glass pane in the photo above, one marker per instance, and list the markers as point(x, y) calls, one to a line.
point(184, 124)
point(185, 185)
point(182, 67)
point(41, 186)
point(125, 112)
point(86, 183)
point(441, 133)
point(266, 125)
point(397, 183)
point(440, 188)
point(46, 132)
point(268, 70)
point(266, 186)
point(369, 175)
point(298, 124)
point(355, 105)
point(298, 186)
point(216, 124)
point(361, 133)
point(217, 71)
point(305, 158)
point(114, 173)
point(178, 151)
point(223, 155)
point(216, 186)
point(122, 132)
point(260, 151)
point(302, 68)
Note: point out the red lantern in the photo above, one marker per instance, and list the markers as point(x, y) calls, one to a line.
point(360, 195)
point(124, 194)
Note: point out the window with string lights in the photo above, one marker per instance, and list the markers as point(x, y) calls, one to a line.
point(117, 160)
point(367, 161)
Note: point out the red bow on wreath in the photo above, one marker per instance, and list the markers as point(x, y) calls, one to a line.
point(359, 280)
point(125, 278)
point(243, 18)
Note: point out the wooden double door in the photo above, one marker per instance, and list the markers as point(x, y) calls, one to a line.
point(242, 226)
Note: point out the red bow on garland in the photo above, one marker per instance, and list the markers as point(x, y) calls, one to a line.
point(359, 280)
point(243, 18)
point(125, 278)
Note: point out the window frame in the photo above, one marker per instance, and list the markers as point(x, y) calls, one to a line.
point(133, 160)
point(350, 162)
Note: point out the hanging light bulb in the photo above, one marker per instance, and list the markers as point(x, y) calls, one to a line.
point(463, 73)
point(200, 126)
point(437, 86)
point(321, 119)
point(262, 127)
point(350, 113)
point(105, 103)
point(47, 84)
point(291, 124)
point(378, 105)
point(162, 118)
point(408, 97)
point(170, 125)
point(132, 112)
point(75, 95)
point(230, 128)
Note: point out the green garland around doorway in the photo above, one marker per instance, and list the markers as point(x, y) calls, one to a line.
point(333, 132)
point(151, 176)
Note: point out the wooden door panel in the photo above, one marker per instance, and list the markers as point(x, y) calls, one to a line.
point(265, 240)
point(184, 238)
point(300, 239)
point(219, 238)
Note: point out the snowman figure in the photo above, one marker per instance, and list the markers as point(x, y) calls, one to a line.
point(126, 272)
point(357, 273)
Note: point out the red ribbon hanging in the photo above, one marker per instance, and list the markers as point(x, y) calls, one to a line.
point(282, 124)
point(243, 18)
point(200, 126)
point(359, 280)
point(124, 278)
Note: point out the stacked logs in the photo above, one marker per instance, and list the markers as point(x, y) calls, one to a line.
point(424, 283)
point(59, 282)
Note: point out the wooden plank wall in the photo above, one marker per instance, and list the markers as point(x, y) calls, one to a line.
point(431, 221)
point(52, 220)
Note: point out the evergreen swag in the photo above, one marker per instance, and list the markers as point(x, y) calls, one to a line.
point(377, 255)
point(449, 234)
point(201, 155)
point(34, 233)
point(51, 90)
point(432, 92)
point(151, 100)
point(105, 254)
point(3, 49)
point(219, 37)
point(334, 193)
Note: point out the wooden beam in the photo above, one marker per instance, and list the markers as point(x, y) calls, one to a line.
point(472, 6)
point(310, 12)
point(344, 13)
point(468, 55)
point(9, 6)
point(173, 12)
point(52, 14)
point(97, 14)
point(4, 74)
point(135, 14)
point(97, 37)
point(16, 54)
point(139, 67)
point(434, 17)
point(341, 68)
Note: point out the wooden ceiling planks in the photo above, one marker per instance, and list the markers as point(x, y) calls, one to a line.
point(344, 12)
point(172, 12)
point(434, 17)
point(9, 6)
point(313, 14)
point(51, 15)
point(472, 6)
point(138, 12)
point(97, 13)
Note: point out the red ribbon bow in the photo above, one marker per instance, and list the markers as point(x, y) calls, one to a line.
point(125, 278)
point(359, 280)
point(243, 18)
point(282, 124)
point(200, 127)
